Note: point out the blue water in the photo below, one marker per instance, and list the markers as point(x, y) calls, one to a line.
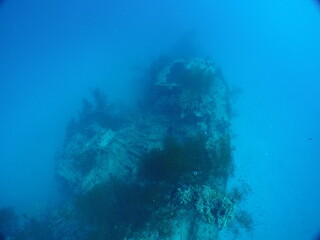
point(52, 52)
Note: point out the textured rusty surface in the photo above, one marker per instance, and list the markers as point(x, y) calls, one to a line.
point(183, 112)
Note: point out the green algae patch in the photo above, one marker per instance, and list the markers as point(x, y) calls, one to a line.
point(116, 210)
point(177, 162)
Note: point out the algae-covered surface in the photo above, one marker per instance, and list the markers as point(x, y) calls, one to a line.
point(159, 171)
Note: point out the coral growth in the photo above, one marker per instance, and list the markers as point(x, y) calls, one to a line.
point(213, 207)
point(141, 174)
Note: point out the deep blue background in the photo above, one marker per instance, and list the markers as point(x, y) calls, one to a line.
point(52, 52)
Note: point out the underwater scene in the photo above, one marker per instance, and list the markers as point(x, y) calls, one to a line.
point(159, 120)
